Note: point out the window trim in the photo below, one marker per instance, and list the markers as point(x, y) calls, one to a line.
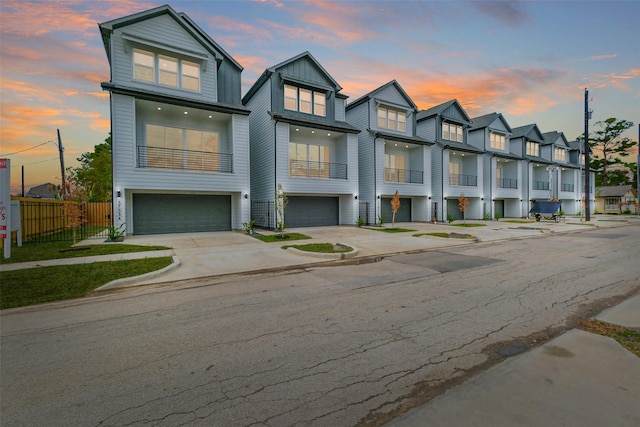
point(449, 126)
point(314, 94)
point(502, 146)
point(531, 144)
point(397, 112)
point(157, 72)
point(559, 154)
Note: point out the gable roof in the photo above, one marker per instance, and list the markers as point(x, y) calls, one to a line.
point(106, 28)
point(553, 136)
point(270, 70)
point(577, 146)
point(531, 132)
point(439, 109)
point(484, 121)
point(371, 94)
point(43, 191)
point(613, 190)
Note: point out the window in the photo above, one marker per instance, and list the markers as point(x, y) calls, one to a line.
point(559, 154)
point(172, 72)
point(304, 100)
point(454, 173)
point(497, 141)
point(179, 148)
point(143, 65)
point(309, 160)
point(392, 119)
point(394, 168)
point(452, 132)
point(611, 203)
point(533, 149)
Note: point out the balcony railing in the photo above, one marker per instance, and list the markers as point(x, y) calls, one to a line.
point(311, 169)
point(463, 180)
point(507, 183)
point(403, 175)
point(567, 187)
point(541, 185)
point(169, 158)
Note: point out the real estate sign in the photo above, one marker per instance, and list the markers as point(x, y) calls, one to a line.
point(5, 205)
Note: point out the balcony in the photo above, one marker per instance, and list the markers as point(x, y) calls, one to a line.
point(463, 180)
point(310, 169)
point(567, 187)
point(169, 158)
point(541, 185)
point(507, 183)
point(403, 175)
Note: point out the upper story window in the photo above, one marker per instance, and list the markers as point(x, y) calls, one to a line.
point(452, 132)
point(497, 141)
point(533, 149)
point(171, 71)
point(392, 119)
point(559, 154)
point(304, 100)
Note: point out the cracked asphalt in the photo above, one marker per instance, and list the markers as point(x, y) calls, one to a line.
point(345, 345)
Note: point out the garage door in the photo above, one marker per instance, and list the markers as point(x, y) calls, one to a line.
point(403, 214)
point(302, 211)
point(180, 213)
point(453, 210)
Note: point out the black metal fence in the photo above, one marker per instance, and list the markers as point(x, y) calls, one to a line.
point(58, 220)
point(366, 213)
point(264, 214)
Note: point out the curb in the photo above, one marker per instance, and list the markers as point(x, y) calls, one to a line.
point(131, 281)
point(328, 256)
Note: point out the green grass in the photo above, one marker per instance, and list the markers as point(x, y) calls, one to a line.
point(270, 238)
point(55, 250)
point(393, 230)
point(444, 235)
point(627, 338)
point(47, 284)
point(325, 248)
point(469, 224)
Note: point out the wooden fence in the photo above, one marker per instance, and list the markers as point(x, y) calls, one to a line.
point(60, 220)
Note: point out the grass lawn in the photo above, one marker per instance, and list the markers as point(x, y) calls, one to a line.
point(628, 339)
point(325, 248)
point(270, 238)
point(393, 230)
point(56, 250)
point(46, 284)
point(468, 224)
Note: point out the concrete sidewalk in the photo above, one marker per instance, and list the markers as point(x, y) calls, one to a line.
point(576, 379)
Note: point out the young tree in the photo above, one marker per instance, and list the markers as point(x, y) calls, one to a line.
point(395, 205)
point(281, 204)
point(75, 205)
point(463, 204)
point(95, 172)
point(611, 145)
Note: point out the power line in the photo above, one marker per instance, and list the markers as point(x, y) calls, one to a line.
point(27, 149)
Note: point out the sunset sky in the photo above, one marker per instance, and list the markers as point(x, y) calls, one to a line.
point(531, 61)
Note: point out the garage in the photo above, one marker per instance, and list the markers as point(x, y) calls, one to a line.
point(306, 211)
point(180, 213)
point(403, 214)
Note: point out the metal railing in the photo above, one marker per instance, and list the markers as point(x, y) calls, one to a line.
point(264, 214)
point(567, 187)
point(170, 158)
point(507, 183)
point(463, 180)
point(403, 175)
point(312, 169)
point(541, 185)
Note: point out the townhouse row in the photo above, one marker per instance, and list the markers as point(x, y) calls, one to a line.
point(190, 154)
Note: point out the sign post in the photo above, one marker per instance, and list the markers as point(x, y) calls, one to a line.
point(5, 205)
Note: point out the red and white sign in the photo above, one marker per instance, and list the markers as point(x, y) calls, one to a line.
point(3, 163)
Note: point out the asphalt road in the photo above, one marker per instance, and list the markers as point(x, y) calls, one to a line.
point(326, 346)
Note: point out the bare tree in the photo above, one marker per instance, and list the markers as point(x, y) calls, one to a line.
point(395, 205)
point(463, 204)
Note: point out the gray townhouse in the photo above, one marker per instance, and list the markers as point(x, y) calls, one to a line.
point(456, 165)
point(180, 134)
point(502, 170)
point(391, 157)
point(299, 140)
point(565, 175)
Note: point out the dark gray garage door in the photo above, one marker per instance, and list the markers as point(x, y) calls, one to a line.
point(180, 213)
point(403, 214)
point(303, 211)
point(453, 210)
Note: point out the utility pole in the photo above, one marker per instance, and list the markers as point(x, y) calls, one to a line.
point(22, 181)
point(587, 196)
point(64, 187)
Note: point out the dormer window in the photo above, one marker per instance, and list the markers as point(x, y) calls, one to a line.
point(533, 149)
point(497, 141)
point(304, 100)
point(559, 154)
point(171, 71)
point(452, 132)
point(392, 119)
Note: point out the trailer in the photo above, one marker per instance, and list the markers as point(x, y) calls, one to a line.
point(546, 209)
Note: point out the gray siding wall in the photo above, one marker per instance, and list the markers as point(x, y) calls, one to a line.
point(262, 143)
point(340, 112)
point(391, 95)
point(359, 118)
point(478, 137)
point(165, 30)
point(427, 129)
point(453, 113)
point(516, 146)
point(437, 179)
point(229, 83)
